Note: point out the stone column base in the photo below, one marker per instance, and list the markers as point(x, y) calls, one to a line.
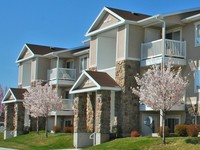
point(8, 134)
point(101, 138)
point(82, 140)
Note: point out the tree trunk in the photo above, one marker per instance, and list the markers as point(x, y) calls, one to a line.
point(163, 126)
point(37, 125)
point(46, 126)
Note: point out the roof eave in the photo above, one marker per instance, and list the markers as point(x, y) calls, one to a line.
point(191, 18)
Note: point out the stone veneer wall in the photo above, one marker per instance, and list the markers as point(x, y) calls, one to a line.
point(90, 112)
point(127, 104)
point(9, 113)
point(18, 118)
point(80, 112)
point(102, 112)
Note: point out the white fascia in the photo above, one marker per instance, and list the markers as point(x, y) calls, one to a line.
point(191, 18)
point(81, 52)
point(99, 17)
point(23, 49)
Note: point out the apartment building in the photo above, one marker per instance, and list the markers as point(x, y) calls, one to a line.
point(122, 44)
point(58, 67)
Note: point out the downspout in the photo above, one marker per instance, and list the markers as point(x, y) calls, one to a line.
point(163, 38)
point(57, 66)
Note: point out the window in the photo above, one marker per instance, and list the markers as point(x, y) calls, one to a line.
point(197, 34)
point(70, 64)
point(68, 123)
point(83, 63)
point(171, 123)
point(197, 81)
point(174, 35)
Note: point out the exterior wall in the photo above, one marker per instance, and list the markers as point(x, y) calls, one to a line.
point(192, 97)
point(27, 54)
point(93, 51)
point(20, 74)
point(33, 65)
point(90, 112)
point(127, 104)
point(120, 42)
point(107, 20)
point(136, 37)
point(44, 65)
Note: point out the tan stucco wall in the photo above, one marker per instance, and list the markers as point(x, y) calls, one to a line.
point(120, 42)
point(19, 74)
point(26, 54)
point(44, 65)
point(33, 64)
point(93, 51)
point(107, 20)
point(136, 37)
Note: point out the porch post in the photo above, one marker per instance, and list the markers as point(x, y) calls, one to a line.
point(18, 119)
point(81, 136)
point(55, 119)
point(102, 123)
point(8, 122)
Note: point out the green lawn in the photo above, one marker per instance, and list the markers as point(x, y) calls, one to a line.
point(148, 143)
point(34, 141)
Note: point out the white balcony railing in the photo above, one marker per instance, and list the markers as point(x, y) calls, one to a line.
point(63, 74)
point(68, 104)
point(155, 49)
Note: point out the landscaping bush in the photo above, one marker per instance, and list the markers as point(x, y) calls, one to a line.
point(135, 134)
point(193, 130)
point(68, 129)
point(181, 130)
point(167, 129)
point(56, 129)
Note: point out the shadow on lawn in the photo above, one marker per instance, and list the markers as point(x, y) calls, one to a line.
point(193, 140)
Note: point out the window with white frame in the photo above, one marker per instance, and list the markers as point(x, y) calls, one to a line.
point(83, 63)
point(197, 81)
point(197, 34)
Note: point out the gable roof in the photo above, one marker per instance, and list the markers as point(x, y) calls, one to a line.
point(37, 50)
point(100, 81)
point(121, 15)
point(128, 15)
point(16, 94)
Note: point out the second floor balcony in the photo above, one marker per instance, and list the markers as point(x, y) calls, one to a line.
point(67, 104)
point(153, 52)
point(62, 76)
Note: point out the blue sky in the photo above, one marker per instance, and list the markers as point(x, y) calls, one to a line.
point(61, 23)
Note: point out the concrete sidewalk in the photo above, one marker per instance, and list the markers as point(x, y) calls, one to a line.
point(1, 148)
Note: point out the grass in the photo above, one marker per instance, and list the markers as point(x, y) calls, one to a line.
point(33, 141)
point(149, 143)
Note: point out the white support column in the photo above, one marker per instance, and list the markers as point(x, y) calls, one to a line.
point(161, 114)
point(55, 120)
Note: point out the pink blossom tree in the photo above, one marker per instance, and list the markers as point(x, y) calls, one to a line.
point(2, 106)
point(161, 89)
point(41, 100)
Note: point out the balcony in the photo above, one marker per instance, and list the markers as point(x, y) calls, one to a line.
point(180, 107)
point(62, 76)
point(152, 52)
point(68, 104)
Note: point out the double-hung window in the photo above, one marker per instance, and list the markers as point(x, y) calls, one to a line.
point(197, 81)
point(197, 34)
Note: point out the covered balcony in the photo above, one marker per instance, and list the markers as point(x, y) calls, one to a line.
point(152, 52)
point(68, 104)
point(62, 76)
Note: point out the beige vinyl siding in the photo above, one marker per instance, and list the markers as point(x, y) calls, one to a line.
point(19, 74)
point(120, 42)
point(93, 51)
point(26, 54)
point(107, 20)
point(136, 37)
point(44, 65)
point(33, 64)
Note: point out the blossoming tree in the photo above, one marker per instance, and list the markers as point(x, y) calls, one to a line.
point(40, 101)
point(2, 106)
point(161, 89)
